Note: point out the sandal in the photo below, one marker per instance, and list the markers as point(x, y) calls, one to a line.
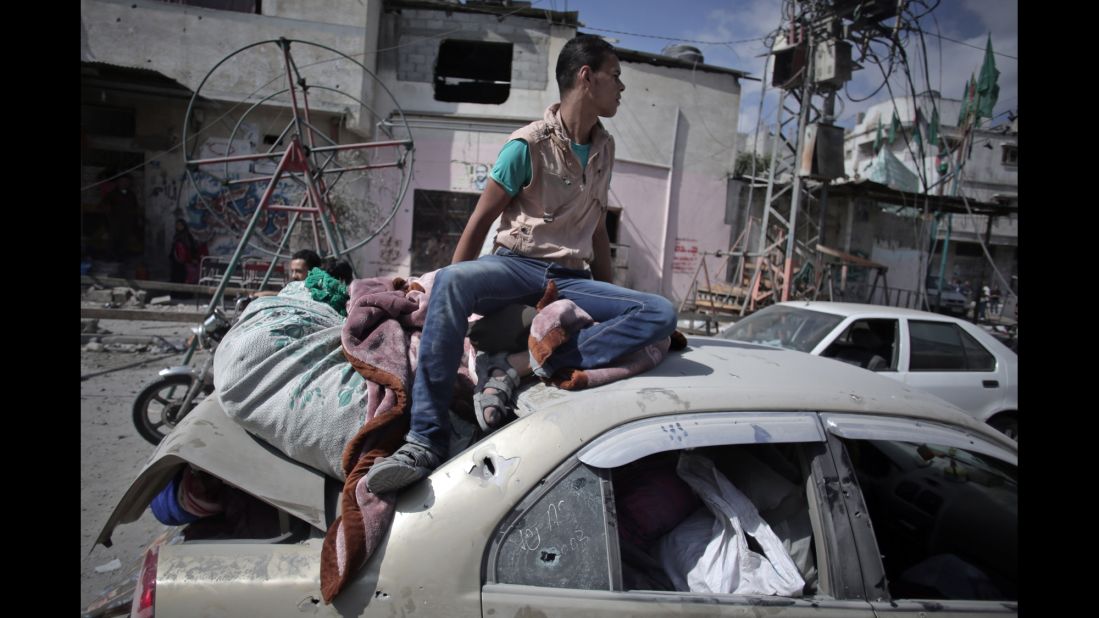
point(504, 397)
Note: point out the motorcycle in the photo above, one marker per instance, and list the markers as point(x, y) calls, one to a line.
point(162, 404)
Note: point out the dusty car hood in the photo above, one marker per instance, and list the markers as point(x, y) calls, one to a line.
point(209, 440)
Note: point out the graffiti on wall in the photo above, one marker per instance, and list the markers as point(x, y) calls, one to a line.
point(218, 212)
point(162, 190)
point(389, 250)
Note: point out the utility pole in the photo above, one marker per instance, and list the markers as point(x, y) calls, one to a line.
point(812, 58)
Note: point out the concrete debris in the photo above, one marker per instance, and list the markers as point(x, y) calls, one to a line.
point(92, 326)
point(93, 346)
point(120, 295)
point(113, 565)
point(98, 296)
point(126, 347)
point(126, 296)
point(161, 300)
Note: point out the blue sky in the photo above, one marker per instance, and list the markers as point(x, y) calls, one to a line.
point(727, 25)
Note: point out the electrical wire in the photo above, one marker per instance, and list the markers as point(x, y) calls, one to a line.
point(668, 38)
point(946, 38)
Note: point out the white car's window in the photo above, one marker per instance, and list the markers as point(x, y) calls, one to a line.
point(945, 519)
point(870, 344)
point(976, 356)
point(785, 327)
point(941, 346)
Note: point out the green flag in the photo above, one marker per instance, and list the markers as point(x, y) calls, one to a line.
point(962, 110)
point(988, 90)
point(877, 138)
point(893, 127)
point(933, 132)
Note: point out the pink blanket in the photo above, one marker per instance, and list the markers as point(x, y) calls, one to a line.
point(380, 338)
point(559, 320)
point(382, 317)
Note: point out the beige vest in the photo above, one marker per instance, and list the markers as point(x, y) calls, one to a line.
point(553, 218)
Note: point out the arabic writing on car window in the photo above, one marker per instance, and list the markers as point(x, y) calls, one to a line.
point(561, 541)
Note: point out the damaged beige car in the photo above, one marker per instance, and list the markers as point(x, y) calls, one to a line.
point(731, 478)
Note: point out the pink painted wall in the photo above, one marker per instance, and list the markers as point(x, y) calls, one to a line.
point(699, 227)
point(641, 191)
point(445, 161)
point(660, 260)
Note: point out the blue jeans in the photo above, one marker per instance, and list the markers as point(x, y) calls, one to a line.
point(626, 321)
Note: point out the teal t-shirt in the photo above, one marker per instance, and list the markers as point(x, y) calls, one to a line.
point(512, 170)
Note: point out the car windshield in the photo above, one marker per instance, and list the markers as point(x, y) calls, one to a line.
point(785, 327)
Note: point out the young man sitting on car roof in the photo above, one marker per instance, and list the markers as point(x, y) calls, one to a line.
point(550, 185)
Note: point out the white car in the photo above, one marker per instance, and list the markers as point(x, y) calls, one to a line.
point(862, 498)
point(948, 357)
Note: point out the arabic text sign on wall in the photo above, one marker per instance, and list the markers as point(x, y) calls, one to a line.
point(685, 259)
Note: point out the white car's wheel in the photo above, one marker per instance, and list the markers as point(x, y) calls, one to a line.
point(1007, 424)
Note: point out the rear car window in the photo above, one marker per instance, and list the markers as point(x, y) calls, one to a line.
point(942, 346)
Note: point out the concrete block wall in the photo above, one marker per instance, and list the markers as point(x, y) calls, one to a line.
point(184, 42)
point(419, 33)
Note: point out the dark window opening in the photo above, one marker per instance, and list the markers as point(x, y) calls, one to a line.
point(1011, 155)
point(438, 218)
point(107, 121)
point(239, 6)
point(112, 217)
point(473, 72)
point(613, 216)
point(968, 249)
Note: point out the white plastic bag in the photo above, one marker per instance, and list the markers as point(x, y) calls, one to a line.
point(709, 553)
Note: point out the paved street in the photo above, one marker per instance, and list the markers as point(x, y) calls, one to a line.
point(112, 452)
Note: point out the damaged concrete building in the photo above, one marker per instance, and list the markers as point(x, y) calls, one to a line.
point(882, 211)
point(990, 182)
point(464, 76)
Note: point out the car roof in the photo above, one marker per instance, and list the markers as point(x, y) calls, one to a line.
point(850, 309)
point(722, 375)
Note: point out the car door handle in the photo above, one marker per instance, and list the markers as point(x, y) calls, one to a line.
point(991, 383)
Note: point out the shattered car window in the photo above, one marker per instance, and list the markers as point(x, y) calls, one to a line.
point(561, 541)
point(784, 327)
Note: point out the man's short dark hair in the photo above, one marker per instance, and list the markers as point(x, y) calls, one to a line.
point(310, 257)
point(340, 269)
point(580, 50)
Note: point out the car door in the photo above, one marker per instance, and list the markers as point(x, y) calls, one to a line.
point(941, 509)
point(599, 535)
point(948, 362)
